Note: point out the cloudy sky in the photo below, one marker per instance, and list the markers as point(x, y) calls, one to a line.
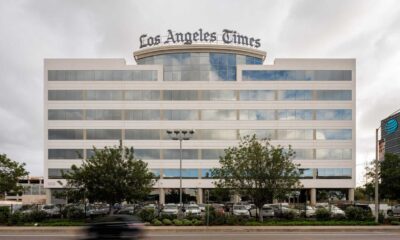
point(33, 30)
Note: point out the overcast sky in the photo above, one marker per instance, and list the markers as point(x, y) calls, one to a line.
point(33, 30)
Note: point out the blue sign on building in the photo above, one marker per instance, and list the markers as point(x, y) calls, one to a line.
point(391, 126)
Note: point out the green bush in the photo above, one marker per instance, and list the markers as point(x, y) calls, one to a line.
point(322, 214)
point(147, 215)
point(168, 216)
point(357, 214)
point(4, 215)
point(156, 222)
point(167, 221)
point(290, 215)
point(232, 220)
point(214, 218)
point(196, 222)
point(15, 218)
point(34, 216)
point(73, 212)
point(177, 222)
point(191, 216)
point(187, 222)
point(395, 222)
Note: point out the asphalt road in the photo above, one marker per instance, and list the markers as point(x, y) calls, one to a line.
point(227, 235)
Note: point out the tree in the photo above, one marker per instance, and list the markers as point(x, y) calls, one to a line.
point(111, 175)
point(390, 176)
point(10, 173)
point(259, 170)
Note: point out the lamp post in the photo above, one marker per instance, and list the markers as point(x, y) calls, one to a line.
point(377, 175)
point(180, 135)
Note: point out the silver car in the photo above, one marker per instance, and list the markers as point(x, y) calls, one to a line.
point(240, 210)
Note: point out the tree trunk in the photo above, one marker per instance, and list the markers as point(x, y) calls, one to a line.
point(260, 216)
point(111, 212)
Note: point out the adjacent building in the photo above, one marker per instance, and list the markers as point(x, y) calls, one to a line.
point(223, 92)
point(390, 135)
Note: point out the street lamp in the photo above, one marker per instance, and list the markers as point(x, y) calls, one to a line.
point(377, 175)
point(180, 135)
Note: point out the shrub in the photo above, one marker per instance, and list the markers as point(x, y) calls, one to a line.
point(395, 222)
point(167, 221)
point(168, 216)
point(177, 222)
point(73, 212)
point(322, 214)
point(191, 216)
point(290, 215)
point(232, 220)
point(187, 222)
point(196, 222)
point(4, 215)
point(215, 218)
point(156, 222)
point(357, 214)
point(34, 216)
point(147, 215)
point(15, 218)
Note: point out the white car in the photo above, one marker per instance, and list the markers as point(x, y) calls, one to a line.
point(170, 209)
point(193, 210)
point(266, 211)
point(51, 210)
point(309, 211)
point(334, 210)
point(240, 210)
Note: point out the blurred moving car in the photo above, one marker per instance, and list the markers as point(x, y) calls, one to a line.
point(193, 210)
point(266, 211)
point(240, 210)
point(116, 227)
point(170, 209)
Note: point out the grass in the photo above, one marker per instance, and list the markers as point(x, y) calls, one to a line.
point(311, 223)
point(58, 223)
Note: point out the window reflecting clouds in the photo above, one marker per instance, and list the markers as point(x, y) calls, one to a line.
point(298, 114)
point(65, 153)
point(65, 134)
point(333, 114)
point(103, 134)
point(174, 115)
point(257, 115)
point(296, 75)
point(102, 75)
point(175, 173)
point(142, 134)
point(334, 173)
point(334, 134)
point(334, 154)
point(210, 115)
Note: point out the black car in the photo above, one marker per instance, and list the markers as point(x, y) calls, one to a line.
point(116, 227)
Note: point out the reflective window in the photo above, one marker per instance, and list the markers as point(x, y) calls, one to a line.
point(333, 114)
point(142, 115)
point(257, 95)
point(206, 173)
point(56, 173)
point(65, 95)
point(102, 75)
point(175, 154)
point(257, 115)
point(298, 114)
point(294, 95)
point(334, 154)
point(142, 95)
point(180, 95)
point(156, 172)
point(333, 95)
point(103, 134)
point(295, 134)
point(175, 173)
point(333, 134)
point(147, 154)
point(334, 173)
point(213, 154)
point(304, 154)
point(65, 153)
point(210, 115)
point(65, 114)
point(218, 95)
point(306, 173)
point(215, 134)
point(260, 133)
point(296, 75)
point(142, 134)
point(181, 115)
point(104, 95)
point(101, 114)
point(65, 134)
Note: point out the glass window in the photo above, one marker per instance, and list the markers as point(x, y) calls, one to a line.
point(206, 173)
point(260, 133)
point(175, 153)
point(180, 95)
point(333, 95)
point(142, 134)
point(306, 173)
point(181, 115)
point(294, 95)
point(218, 95)
point(175, 173)
point(213, 154)
point(257, 95)
point(257, 115)
point(65, 153)
point(142, 95)
point(56, 173)
point(334, 173)
point(333, 114)
point(304, 154)
point(65, 134)
point(65, 95)
point(147, 154)
point(215, 134)
point(101, 114)
point(210, 115)
point(334, 154)
point(334, 134)
point(156, 172)
point(296, 75)
point(104, 95)
point(295, 114)
point(65, 114)
point(142, 114)
point(102, 75)
point(103, 134)
point(295, 134)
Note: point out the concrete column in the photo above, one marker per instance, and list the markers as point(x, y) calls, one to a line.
point(274, 201)
point(235, 198)
point(313, 196)
point(162, 196)
point(48, 196)
point(351, 194)
point(199, 196)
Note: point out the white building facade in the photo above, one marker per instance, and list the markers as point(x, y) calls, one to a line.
point(222, 92)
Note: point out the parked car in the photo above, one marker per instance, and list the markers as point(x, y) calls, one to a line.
point(116, 227)
point(219, 208)
point(127, 209)
point(334, 210)
point(193, 210)
point(240, 210)
point(97, 210)
point(282, 210)
point(395, 210)
point(170, 209)
point(266, 211)
point(308, 211)
point(202, 207)
point(229, 206)
point(51, 210)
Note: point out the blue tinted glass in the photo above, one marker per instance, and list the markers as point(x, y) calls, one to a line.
point(334, 173)
point(334, 134)
point(306, 173)
point(206, 173)
point(175, 173)
point(295, 75)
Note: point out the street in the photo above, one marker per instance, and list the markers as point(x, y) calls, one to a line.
point(225, 235)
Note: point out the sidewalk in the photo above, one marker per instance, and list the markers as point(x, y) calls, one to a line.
point(218, 229)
